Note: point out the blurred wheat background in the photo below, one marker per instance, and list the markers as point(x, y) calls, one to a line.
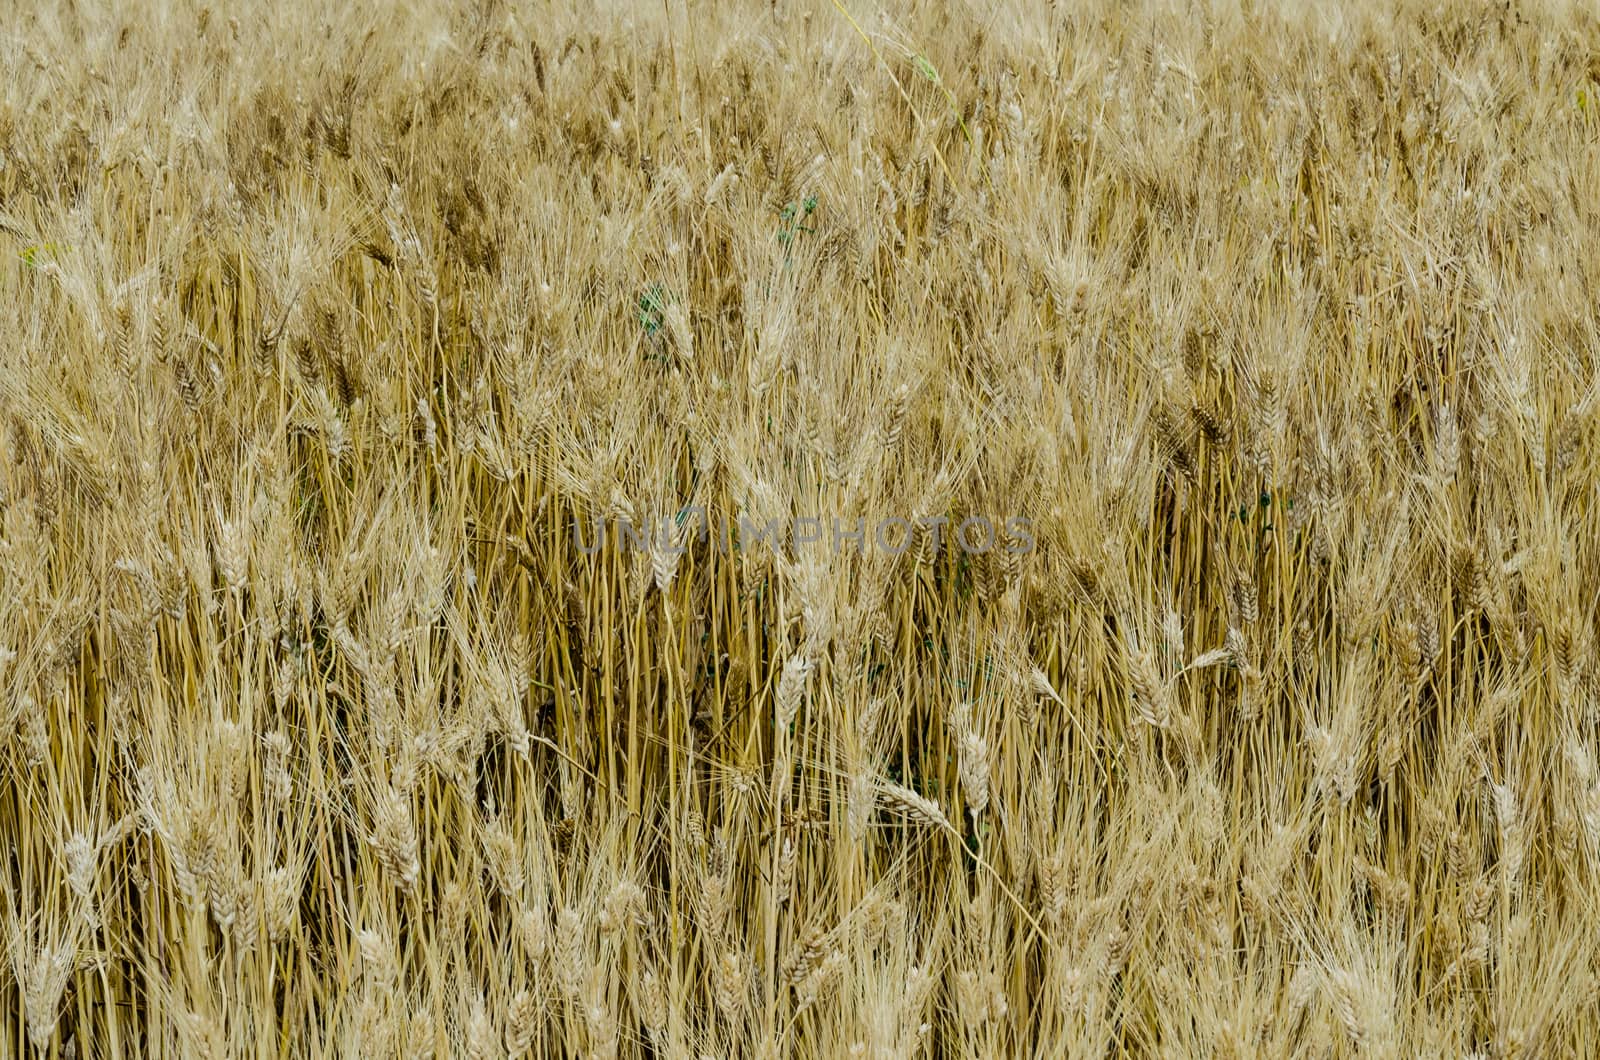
point(323, 328)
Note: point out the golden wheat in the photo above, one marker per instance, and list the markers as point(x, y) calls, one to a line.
point(811, 529)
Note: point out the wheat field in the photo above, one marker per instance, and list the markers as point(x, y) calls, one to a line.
point(799, 529)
